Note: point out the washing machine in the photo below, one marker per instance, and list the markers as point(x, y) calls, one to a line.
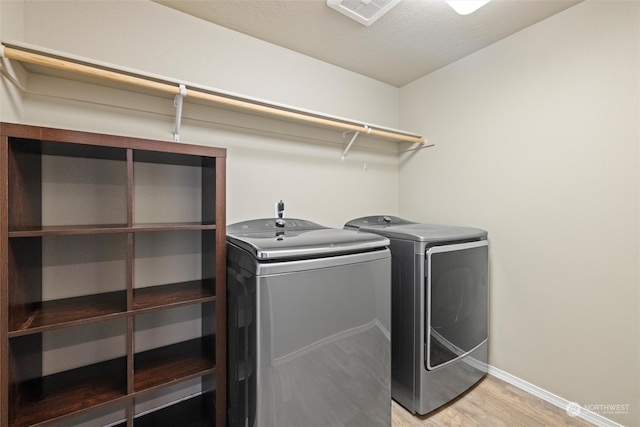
point(309, 325)
point(439, 308)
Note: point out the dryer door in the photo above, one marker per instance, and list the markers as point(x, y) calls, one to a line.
point(456, 301)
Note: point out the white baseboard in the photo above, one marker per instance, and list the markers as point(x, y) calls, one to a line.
point(585, 414)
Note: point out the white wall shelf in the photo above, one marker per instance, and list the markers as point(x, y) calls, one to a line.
point(180, 91)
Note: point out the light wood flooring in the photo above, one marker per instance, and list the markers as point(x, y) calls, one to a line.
point(490, 403)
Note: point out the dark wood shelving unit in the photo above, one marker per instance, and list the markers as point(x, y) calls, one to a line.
point(34, 392)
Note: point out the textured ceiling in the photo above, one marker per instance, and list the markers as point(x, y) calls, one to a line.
point(413, 39)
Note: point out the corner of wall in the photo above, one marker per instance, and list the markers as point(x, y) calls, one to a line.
point(12, 75)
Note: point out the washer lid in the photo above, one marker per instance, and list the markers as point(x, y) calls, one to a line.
point(391, 226)
point(299, 239)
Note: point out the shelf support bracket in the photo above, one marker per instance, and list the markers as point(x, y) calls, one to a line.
point(355, 135)
point(9, 72)
point(425, 144)
point(346, 150)
point(177, 102)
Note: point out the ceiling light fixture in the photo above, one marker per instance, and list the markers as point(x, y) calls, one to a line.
point(465, 7)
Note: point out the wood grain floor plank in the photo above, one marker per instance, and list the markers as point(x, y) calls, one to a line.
point(490, 403)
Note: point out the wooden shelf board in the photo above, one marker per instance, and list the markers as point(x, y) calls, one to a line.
point(52, 139)
point(57, 396)
point(99, 307)
point(70, 312)
point(64, 230)
point(172, 364)
point(84, 149)
point(175, 295)
point(147, 156)
point(176, 226)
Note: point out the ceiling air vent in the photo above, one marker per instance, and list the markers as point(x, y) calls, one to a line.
point(365, 12)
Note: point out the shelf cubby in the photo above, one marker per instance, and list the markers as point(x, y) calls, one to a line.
point(53, 281)
point(64, 372)
point(62, 185)
point(58, 396)
point(186, 181)
point(193, 412)
point(167, 365)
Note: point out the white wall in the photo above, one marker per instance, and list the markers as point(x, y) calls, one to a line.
point(537, 141)
point(267, 160)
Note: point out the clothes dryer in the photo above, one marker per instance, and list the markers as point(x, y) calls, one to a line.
point(439, 308)
point(309, 324)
